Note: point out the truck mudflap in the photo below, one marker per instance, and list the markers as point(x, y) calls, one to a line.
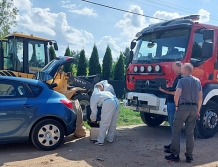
point(146, 103)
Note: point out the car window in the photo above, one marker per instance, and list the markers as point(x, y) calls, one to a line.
point(36, 90)
point(12, 90)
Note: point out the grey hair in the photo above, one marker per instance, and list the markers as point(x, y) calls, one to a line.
point(188, 67)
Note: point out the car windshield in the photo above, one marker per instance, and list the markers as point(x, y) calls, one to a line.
point(167, 45)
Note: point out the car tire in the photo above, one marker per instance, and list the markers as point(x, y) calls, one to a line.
point(208, 124)
point(84, 101)
point(152, 119)
point(54, 131)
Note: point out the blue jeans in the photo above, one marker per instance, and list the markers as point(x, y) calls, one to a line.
point(171, 109)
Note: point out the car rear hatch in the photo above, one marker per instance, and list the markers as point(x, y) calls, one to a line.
point(49, 71)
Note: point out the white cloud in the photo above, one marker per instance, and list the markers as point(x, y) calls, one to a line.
point(204, 15)
point(52, 25)
point(64, 2)
point(164, 15)
point(68, 6)
point(131, 23)
point(85, 11)
point(23, 4)
point(112, 42)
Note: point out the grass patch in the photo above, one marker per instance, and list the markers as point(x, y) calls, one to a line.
point(126, 117)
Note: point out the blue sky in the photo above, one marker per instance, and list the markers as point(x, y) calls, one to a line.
point(79, 25)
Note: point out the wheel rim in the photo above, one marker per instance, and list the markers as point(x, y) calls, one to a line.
point(84, 104)
point(210, 120)
point(49, 135)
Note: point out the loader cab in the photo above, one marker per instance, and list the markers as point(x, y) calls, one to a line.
point(23, 53)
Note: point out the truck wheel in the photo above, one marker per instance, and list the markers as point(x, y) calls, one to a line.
point(207, 127)
point(152, 119)
point(84, 101)
point(47, 135)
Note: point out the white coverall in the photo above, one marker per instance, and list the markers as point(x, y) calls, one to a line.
point(109, 113)
point(107, 87)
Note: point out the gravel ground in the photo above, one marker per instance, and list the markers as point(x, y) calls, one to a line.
point(134, 146)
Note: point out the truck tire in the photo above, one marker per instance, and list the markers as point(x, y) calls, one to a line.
point(152, 119)
point(208, 124)
point(47, 135)
point(84, 101)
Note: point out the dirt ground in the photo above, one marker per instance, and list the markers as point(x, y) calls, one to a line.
point(134, 146)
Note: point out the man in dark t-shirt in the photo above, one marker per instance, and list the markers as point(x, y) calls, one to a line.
point(170, 99)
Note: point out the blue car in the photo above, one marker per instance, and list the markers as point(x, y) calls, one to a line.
point(31, 110)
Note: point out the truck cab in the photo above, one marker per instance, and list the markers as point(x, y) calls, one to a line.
point(158, 47)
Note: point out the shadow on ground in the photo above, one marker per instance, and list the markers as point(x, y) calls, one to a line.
point(133, 146)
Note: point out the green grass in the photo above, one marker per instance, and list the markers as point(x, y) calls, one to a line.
point(126, 117)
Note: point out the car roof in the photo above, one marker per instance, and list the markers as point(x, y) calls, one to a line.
point(19, 79)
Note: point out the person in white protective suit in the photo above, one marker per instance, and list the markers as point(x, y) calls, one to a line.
point(107, 87)
point(109, 113)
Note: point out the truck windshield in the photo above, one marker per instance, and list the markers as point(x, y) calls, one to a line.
point(167, 45)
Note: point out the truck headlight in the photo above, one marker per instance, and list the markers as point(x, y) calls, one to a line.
point(157, 68)
point(142, 68)
point(150, 68)
point(135, 69)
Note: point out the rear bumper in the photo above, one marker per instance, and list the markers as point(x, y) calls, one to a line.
point(71, 126)
point(145, 102)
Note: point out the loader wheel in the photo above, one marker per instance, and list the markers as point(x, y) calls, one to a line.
point(84, 101)
point(152, 119)
point(208, 124)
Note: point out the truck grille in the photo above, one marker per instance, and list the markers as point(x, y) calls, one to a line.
point(145, 84)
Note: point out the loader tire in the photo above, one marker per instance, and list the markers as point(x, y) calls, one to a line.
point(84, 101)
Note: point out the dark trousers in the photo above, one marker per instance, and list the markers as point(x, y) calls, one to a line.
point(185, 114)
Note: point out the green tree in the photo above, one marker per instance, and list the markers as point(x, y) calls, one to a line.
point(119, 69)
point(126, 55)
point(94, 65)
point(67, 67)
point(8, 14)
point(52, 54)
point(81, 69)
point(107, 64)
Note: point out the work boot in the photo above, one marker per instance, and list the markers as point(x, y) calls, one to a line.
point(167, 147)
point(167, 151)
point(189, 159)
point(172, 157)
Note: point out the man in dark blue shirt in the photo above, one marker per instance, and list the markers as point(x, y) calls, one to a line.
point(170, 99)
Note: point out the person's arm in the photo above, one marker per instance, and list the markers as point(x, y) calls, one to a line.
point(166, 91)
point(93, 106)
point(199, 102)
point(176, 97)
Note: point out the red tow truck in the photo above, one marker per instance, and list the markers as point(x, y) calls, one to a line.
point(189, 42)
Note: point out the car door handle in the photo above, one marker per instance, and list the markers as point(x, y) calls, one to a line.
point(26, 106)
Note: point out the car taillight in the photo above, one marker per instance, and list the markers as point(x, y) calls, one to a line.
point(67, 103)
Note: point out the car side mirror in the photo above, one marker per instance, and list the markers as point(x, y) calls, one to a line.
point(55, 46)
point(130, 56)
point(207, 49)
point(208, 35)
point(132, 45)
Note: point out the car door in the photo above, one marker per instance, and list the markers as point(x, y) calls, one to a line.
point(16, 109)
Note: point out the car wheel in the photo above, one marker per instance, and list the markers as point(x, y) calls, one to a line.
point(208, 124)
point(152, 119)
point(48, 134)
